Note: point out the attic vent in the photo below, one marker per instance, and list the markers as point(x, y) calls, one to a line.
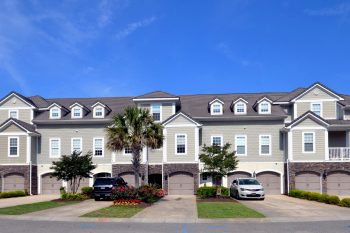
point(316, 92)
point(14, 100)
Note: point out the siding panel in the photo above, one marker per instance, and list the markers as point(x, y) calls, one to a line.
point(298, 145)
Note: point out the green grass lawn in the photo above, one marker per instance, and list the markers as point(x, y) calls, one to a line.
point(28, 208)
point(114, 212)
point(225, 210)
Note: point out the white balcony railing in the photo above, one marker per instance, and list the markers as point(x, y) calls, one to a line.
point(339, 153)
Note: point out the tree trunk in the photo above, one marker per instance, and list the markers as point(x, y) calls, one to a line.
point(136, 164)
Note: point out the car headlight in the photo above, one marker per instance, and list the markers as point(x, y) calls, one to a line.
point(242, 189)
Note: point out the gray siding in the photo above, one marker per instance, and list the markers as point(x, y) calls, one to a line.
point(329, 110)
point(252, 130)
point(167, 110)
point(308, 123)
point(34, 141)
point(180, 120)
point(14, 102)
point(13, 129)
point(155, 156)
point(316, 94)
point(24, 115)
point(170, 136)
point(298, 145)
point(4, 159)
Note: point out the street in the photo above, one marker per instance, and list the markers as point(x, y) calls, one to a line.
point(15, 226)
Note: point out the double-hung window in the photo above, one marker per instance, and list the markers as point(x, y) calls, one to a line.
point(155, 108)
point(13, 114)
point(309, 142)
point(241, 144)
point(13, 146)
point(55, 147)
point(55, 113)
point(265, 144)
point(77, 145)
point(316, 108)
point(216, 140)
point(216, 109)
point(77, 112)
point(98, 147)
point(240, 108)
point(98, 112)
point(265, 107)
point(181, 144)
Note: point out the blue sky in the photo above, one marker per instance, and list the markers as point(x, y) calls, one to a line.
point(124, 47)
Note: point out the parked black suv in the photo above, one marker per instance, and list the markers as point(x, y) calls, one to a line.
point(103, 187)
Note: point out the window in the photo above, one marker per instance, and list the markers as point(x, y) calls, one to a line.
point(240, 108)
point(309, 142)
point(98, 147)
point(55, 113)
point(241, 144)
point(13, 114)
point(77, 112)
point(265, 107)
point(216, 140)
point(181, 144)
point(216, 109)
point(156, 112)
point(265, 144)
point(77, 144)
point(55, 147)
point(316, 108)
point(13, 146)
point(99, 112)
point(127, 151)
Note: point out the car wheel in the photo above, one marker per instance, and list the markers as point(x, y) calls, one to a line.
point(237, 195)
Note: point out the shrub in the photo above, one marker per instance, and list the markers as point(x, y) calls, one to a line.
point(72, 196)
point(150, 193)
point(62, 190)
point(333, 200)
point(345, 202)
point(295, 193)
point(207, 192)
point(323, 198)
point(87, 191)
point(314, 196)
point(17, 193)
point(124, 193)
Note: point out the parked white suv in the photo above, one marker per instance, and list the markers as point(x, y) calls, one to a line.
point(248, 188)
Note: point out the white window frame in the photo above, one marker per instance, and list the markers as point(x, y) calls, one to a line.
point(59, 113)
point(8, 147)
point(124, 153)
point(314, 143)
point(13, 110)
point(160, 111)
point(59, 147)
point(80, 112)
point(268, 107)
point(103, 112)
point(244, 108)
point(212, 108)
point(245, 142)
point(186, 148)
point(321, 107)
point(260, 144)
point(217, 136)
point(94, 147)
point(81, 144)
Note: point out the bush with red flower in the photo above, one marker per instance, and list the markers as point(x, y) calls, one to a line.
point(150, 193)
point(124, 193)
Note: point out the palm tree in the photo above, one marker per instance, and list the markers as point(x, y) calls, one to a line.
point(134, 129)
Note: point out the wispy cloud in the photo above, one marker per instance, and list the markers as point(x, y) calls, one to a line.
point(134, 26)
point(342, 9)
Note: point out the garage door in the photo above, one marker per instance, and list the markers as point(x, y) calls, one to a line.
point(308, 181)
point(338, 184)
point(236, 175)
point(13, 182)
point(181, 184)
point(129, 178)
point(83, 183)
point(50, 185)
point(271, 182)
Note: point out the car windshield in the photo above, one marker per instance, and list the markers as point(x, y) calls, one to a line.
point(104, 181)
point(249, 182)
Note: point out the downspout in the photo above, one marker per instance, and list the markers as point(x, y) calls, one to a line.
point(30, 177)
point(163, 174)
point(287, 176)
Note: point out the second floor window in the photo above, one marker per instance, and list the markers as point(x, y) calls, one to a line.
point(265, 108)
point(55, 147)
point(77, 112)
point(127, 151)
point(155, 108)
point(13, 114)
point(308, 142)
point(316, 108)
point(216, 141)
point(241, 144)
point(13, 146)
point(216, 109)
point(265, 144)
point(55, 113)
point(181, 142)
point(98, 112)
point(98, 147)
point(240, 108)
point(76, 145)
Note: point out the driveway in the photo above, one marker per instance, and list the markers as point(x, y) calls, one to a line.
point(284, 207)
point(171, 208)
point(6, 202)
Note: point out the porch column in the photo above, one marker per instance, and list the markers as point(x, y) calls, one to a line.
point(347, 134)
point(326, 145)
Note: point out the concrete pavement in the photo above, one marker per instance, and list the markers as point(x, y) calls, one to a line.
point(6, 202)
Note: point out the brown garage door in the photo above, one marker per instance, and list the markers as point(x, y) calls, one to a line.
point(83, 183)
point(129, 178)
point(338, 184)
point(236, 175)
point(50, 185)
point(308, 181)
point(13, 182)
point(271, 182)
point(181, 184)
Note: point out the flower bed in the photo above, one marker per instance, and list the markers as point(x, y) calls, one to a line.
point(134, 202)
point(145, 193)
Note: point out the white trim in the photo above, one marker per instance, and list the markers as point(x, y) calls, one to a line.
point(31, 117)
point(244, 108)
point(317, 103)
point(14, 122)
point(76, 104)
point(113, 160)
point(8, 146)
point(295, 111)
point(290, 145)
point(165, 145)
point(29, 152)
point(313, 86)
point(196, 144)
point(270, 144)
point(20, 108)
point(212, 109)
point(322, 100)
point(98, 103)
point(219, 136)
point(155, 99)
point(173, 108)
point(80, 112)
point(326, 145)
point(265, 99)
point(216, 100)
point(186, 148)
point(305, 116)
point(245, 142)
point(180, 113)
point(81, 144)
point(103, 111)
point(308, 128)
point(13, 134)
point(59, 147)
point(103, 149)
point(59, 113)
point(160, 111)
point(314, 142)
point(14, 94)
point(239, 100)
point(276, 171)
point(183, 125)
point(13, 110)
point(268, 107)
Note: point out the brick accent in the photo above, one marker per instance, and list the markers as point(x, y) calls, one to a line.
point(316, 167)
point(23, 170)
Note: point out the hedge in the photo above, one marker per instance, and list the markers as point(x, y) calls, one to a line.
point(18, 193)
point(87, 191)
point(206, 192)
point(345, 202)
point(324, 198)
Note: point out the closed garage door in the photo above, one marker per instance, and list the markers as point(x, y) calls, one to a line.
point(338, 184)
point(181, 184)
point(83, 183)
point(308, 181)
point(50, 185)
point(271, 182)
point(129, 178)
point(13, 182)
point(236, 175)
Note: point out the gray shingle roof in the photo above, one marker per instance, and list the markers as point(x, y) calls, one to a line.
point(29, 127)
point(156, 94)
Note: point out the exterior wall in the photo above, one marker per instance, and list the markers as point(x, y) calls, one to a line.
point(22, 170)
point(33, 147)
point(316, 94)
point(14, 103)
point(12, 129)
point(252, 130)
point(170, 141)
point(289, 111)
point(329, 109)
point(320, 139)
point(155, 156)
point(5, 159)
point(167, 108)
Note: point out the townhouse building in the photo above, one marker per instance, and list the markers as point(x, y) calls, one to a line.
point(297, 139)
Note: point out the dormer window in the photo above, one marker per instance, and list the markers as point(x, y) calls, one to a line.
point(216, 109)
point(55, 113)
point(240, 108)
point(77, 112)
point(99, 112)
point(264, 107)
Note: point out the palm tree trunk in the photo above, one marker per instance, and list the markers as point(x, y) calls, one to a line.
point(136, 164)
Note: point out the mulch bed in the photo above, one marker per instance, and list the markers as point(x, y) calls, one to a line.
point(66, 200)
point(140, 205)
point(216, 199)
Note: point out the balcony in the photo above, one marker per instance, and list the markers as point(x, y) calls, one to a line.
point(339, 153)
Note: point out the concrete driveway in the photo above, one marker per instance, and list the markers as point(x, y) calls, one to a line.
point(171, 208)
point(284, 207)
point(6, 202)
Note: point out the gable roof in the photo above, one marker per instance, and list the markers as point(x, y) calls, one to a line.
point(19, 96)
point(167, 121)
point(264, 98)
point(156, 95)
point(321, 86)
point(216, 99)
point(28, 128)
point(308, 115)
